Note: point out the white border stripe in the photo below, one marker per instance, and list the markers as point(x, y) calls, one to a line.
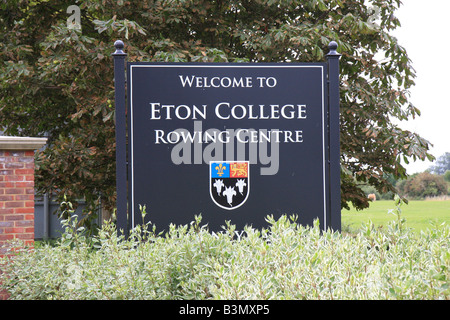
point(259, 66)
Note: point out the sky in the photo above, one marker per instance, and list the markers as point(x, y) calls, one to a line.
point(424, 34)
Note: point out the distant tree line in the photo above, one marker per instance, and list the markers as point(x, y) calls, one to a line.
point(434, 182)
point(423, 185)
point(442, 165)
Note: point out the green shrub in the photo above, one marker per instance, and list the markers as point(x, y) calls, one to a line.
point(425, 185)
point(447, 176)
point(284, 261)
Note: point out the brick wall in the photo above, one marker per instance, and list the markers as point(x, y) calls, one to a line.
point(17, 191)
point(16, 197)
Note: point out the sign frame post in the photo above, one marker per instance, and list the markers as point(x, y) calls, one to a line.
point(121, 143)
point(334, 136)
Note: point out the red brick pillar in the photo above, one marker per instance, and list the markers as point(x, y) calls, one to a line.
point(17, 190)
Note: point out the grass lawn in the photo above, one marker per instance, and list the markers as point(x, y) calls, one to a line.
point(419, 215)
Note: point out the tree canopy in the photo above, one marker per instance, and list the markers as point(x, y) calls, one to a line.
point(57, 81)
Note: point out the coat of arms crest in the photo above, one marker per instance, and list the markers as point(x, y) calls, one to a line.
point(229, 183)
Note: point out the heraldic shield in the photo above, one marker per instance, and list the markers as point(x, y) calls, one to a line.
point(229, 183)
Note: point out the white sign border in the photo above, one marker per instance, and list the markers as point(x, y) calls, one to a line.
point(156, 65)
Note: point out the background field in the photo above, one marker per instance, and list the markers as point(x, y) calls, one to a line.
point(419, 214)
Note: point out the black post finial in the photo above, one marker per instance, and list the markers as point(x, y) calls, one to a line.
point(119, 48)
point(332, 46)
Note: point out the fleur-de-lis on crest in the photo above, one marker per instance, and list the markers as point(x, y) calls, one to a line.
point(220, 169)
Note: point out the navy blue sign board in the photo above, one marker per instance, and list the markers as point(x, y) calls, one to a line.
point(232, 142)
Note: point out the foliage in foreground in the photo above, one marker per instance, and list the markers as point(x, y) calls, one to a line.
point(284, 261)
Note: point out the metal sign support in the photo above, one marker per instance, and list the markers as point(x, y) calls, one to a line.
point(121, 143)
point(334, 137)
